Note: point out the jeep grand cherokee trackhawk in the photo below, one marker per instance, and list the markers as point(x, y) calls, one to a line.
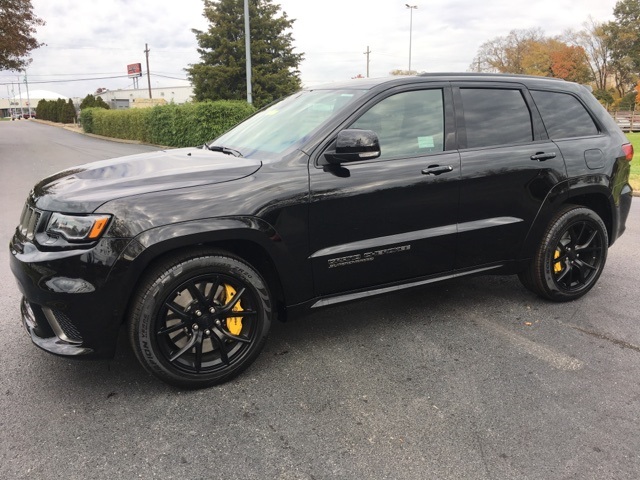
point(329, 195)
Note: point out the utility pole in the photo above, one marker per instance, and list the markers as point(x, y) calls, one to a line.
point(28, 99)
point(146, 51)
point(367, 54)
point(20, 93)
point(247, 48)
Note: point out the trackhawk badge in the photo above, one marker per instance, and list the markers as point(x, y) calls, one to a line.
point(365, 257)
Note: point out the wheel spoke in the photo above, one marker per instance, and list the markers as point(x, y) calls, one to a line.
point(198, 359)
point(588, 242)
point(565, 271)
point(230, 336)
point(197, 295)
point(584, 265)
point(173, 328)
point(234, 301)
point(192, 341)
point(224, 358)
point(214, 289)
point(240, 313)
point(177, 309)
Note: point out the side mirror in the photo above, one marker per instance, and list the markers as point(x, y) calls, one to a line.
point(354, 145)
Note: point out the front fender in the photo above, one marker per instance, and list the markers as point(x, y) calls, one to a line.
point(291, 268)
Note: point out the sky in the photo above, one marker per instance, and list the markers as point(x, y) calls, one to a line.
point(97, 40)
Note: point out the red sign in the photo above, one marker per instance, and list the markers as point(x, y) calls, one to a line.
point(134, 70)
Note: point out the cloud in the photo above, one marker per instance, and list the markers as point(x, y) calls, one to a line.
point(100, 38)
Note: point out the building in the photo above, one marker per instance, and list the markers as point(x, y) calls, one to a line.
point(23, 103)
point(122, 99)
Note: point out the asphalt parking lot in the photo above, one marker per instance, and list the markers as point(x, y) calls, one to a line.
point(468, 379)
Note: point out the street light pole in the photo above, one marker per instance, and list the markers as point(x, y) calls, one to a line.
point(411, 9)
point(247, 48)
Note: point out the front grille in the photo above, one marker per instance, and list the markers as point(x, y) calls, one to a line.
point(29, 222)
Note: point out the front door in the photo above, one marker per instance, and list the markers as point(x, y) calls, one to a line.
point(391, 219)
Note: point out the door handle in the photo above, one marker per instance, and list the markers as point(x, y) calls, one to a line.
point(541, 156)
point(437, 169)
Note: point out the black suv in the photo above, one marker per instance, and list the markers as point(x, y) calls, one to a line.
point(329, 195)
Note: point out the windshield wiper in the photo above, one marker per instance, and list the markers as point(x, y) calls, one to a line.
point(226, 150)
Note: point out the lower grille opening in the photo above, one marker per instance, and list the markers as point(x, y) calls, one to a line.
point(62, 326)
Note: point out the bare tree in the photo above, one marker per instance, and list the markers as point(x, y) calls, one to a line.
point(593, 39)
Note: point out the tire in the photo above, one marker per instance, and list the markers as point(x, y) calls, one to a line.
point(571, 256)
point(200, 319)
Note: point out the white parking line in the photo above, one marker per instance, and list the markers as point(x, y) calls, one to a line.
point(546, 354)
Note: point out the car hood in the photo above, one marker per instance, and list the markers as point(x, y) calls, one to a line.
point(84, 188)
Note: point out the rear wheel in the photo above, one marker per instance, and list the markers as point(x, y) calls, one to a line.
point(200, 319)
point(571, 257)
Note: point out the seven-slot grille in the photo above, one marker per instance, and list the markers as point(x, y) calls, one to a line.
point(29, 221)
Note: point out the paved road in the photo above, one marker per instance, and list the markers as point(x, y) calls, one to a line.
point(472, 379)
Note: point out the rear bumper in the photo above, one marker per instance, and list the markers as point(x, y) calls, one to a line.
point(623, 208)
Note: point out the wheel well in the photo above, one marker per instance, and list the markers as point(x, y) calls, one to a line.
point(599, 204)
point(248, 251)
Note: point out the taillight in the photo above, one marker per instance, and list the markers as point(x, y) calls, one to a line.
point(627, 149)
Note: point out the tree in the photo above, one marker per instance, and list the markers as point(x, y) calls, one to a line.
point(623, 40)
point(506, 54)
point(593, 39)
point(400, 72)
point(530, 52)
point(221, 75)
point(17, 29)
point(69, 112)
point(91, 101)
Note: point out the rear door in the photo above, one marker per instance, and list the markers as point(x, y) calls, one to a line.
point(508, 166)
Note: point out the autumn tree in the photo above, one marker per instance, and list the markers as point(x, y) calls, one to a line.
point(529, 52)
point(18, 26)
point(221, 74)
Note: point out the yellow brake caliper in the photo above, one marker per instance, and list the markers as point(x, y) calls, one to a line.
point(557, 266)
point(234, 324)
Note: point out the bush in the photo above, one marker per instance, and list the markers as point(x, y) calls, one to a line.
point(172, 125)
point(86, 119)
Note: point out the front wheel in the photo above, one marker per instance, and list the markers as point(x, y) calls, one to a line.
point(200, 319)
point(570, 258)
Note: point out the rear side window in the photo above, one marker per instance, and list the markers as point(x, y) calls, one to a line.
point(563, 115)
point(495, 117)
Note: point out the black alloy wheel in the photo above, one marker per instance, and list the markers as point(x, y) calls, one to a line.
point(199, 321)
point(571, 256)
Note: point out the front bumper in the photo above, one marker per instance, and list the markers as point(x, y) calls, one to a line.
point(72, 303)
point(46, 332)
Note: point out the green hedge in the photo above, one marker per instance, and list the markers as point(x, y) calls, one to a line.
point(172, 125)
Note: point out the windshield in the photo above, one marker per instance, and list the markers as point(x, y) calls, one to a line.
point(286, 123)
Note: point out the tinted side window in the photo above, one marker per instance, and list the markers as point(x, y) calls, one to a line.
point(408, 123)
point(495, 117)
point(563, 115)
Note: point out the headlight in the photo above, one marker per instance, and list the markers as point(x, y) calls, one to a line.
point(76, 228)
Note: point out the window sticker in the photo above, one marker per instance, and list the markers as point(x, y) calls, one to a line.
point(426, 142)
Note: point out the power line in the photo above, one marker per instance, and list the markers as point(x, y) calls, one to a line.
point(71, 80)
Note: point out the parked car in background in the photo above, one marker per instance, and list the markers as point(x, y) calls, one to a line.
point(332, 194)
